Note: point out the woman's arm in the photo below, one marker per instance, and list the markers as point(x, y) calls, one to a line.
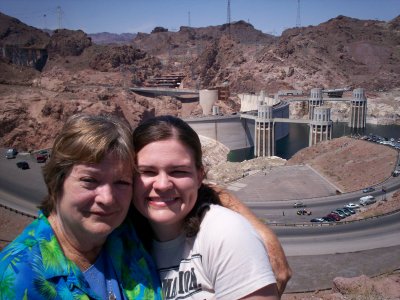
point(279, 263)
point(268, 292)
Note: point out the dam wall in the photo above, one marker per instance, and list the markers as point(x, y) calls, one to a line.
point(250, 102)
point(238, 133)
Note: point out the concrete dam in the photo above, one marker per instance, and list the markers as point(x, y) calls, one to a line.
point(262, 121)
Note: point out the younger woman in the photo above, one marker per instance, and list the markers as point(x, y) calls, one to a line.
point(202, 250)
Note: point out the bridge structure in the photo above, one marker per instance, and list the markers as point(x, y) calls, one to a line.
point(319, 120)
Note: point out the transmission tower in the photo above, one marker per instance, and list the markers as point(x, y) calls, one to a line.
point(298, 19)
point(228, 17)
point(44, 21)
point(59, 14)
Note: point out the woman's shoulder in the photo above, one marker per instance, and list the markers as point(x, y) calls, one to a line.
point(219, 219)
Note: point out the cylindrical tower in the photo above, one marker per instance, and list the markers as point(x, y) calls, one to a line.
point(207, 100)
point(320, 125)
point(264, 142)
point(314, 101)
point(358, 109)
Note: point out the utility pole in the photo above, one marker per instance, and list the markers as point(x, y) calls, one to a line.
point(228, 18)
point(44, 22)
point(298, 19)
point(59, 13)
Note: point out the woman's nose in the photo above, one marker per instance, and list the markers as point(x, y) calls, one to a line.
point(162, 182)
point(105, 194)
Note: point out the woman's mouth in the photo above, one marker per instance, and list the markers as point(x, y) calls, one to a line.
point(161, 202)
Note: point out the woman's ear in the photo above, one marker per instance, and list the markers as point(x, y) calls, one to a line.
point(201, 175)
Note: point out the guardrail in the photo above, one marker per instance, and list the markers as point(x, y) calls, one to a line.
point(18, 212)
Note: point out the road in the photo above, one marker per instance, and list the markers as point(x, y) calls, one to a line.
point(317, 254)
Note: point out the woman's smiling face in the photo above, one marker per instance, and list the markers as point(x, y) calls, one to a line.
point(165, 188)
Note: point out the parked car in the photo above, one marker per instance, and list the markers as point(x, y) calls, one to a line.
point(367, 200)
point(349, 210)
point(340, 213)
point(11, 153)
point(368, 189)
point(337, 214)
point(347, 213)
point(396, 173)
point(23, 165)
point(335, 217)
point(319, 220)
point(329, 219)
point(40, 158)
point(44, 153)
point(352, 205)
point(299, 204)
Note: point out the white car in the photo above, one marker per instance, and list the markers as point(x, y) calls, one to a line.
point(367, 200)
point(352, 205)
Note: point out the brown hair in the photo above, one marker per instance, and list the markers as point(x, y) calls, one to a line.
point(164, 128)
point(84, 139)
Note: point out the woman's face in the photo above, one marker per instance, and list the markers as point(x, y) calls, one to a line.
point(165, 190)
point(95, 198)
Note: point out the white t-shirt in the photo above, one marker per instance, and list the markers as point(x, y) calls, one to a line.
point(226, 260)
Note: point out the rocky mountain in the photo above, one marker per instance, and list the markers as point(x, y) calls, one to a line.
point(112, 38)
point(75, 74)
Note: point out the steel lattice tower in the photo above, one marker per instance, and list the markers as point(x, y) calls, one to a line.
point(228, 17)
point(298, 18)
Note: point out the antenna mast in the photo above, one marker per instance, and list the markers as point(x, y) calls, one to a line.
point(59, 13)
point(298, 19)
point(228, 18)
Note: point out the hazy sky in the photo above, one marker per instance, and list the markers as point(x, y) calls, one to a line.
point(119, 16)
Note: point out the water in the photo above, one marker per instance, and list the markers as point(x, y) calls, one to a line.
point(298, 136)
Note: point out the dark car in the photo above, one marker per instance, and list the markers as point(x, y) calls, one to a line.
point(40, 158)
point(23, 165)
point(335, 217)
point(349, 210)
point(368, 189)
point(318, 220)
point(347, 213)
point(340, 213)
point(45, 153)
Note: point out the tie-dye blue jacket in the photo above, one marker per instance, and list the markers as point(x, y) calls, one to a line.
point(33, 266)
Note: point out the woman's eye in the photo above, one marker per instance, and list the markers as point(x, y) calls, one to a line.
point(147, 173)
point(124, 182)
point(180, 173)
point(88, 180)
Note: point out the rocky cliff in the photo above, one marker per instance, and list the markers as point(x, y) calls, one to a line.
point(81, 76)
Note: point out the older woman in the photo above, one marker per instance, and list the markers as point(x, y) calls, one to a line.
point(80, 247)
point(202, 250)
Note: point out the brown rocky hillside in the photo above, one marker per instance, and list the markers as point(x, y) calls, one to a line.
point(80, 76)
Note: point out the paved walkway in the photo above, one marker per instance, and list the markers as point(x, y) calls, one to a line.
point(282, 183)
